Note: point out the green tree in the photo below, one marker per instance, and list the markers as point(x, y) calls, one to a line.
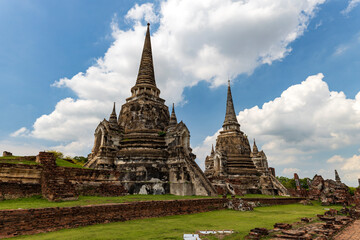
point(56, 153)
point(287, 182)
point(80, 160)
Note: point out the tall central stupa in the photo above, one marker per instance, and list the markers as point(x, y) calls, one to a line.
point(150, 150)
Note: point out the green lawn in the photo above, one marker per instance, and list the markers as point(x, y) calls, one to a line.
point(17, 160)
point(39, 202)
point(173, 227)
point(63, 163)
point(9, 157)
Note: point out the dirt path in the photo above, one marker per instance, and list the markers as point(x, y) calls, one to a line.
point(352, 232)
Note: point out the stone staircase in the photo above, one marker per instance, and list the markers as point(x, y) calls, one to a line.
point(277, 184)
point(199, 173)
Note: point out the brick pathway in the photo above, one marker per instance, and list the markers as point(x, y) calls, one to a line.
point(350, 233)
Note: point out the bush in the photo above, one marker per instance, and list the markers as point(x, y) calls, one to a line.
point(161, 133)
point(352, 191)
point(80, 160)
point(290, 182)
point(287, 182)
point(56, 153)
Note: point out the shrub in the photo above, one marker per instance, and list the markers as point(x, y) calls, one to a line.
point(352, 191)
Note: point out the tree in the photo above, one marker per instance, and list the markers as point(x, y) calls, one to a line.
point(57, 154)
point(80, 160)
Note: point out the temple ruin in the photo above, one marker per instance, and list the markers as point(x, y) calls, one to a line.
point(149, 148)
point(232, 167)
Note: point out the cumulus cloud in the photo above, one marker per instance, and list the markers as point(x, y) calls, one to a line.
point(306, 119)
point(18, 148)
point(348, 168)
point(351, 5)
point(352, 164)
point(144, 11)
point(195, 41)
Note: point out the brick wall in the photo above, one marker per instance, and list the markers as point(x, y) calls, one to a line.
point(298, 193)
point(13, 190)
point(56, 183)
point(274, 201)
point(18, 180)
point(32, 221)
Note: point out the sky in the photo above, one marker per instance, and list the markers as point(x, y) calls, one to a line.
point(294, 67)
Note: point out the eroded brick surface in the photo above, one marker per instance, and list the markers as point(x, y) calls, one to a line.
point(350, 233)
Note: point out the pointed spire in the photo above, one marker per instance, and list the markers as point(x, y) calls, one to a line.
point(230, 121)
point(146, 70)
point(113, 116)
point(255, 149)
point(173, 120)
point(212, 149)
point(337, 177)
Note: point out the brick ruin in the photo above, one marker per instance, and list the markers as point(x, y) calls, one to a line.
point(328, 226)
point(233, 168)
point(150, 148)
point(7, 154)
point(327, 191)
point(56, 183)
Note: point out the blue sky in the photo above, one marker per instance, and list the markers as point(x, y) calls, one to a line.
point(299, 58)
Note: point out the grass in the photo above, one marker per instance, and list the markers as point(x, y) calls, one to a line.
point(39, 202)
point(173, 227)
point(9, 157)
point(17, 160)
point(63, 163)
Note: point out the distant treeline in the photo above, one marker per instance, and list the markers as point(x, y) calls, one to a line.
point(289, 183)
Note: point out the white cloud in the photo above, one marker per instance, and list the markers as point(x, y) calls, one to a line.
point(351, 5)
point(20, 133)
point(350, 44)
point(21, 149)
point(290, 171)
point(71, 119)
point(195, 41)
point(203, 150)
point(352, 164)
point(144, 11)
point(319, 24)
point(307, 119)
point(348, 168)
point(335, 159)
point(341, 49)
